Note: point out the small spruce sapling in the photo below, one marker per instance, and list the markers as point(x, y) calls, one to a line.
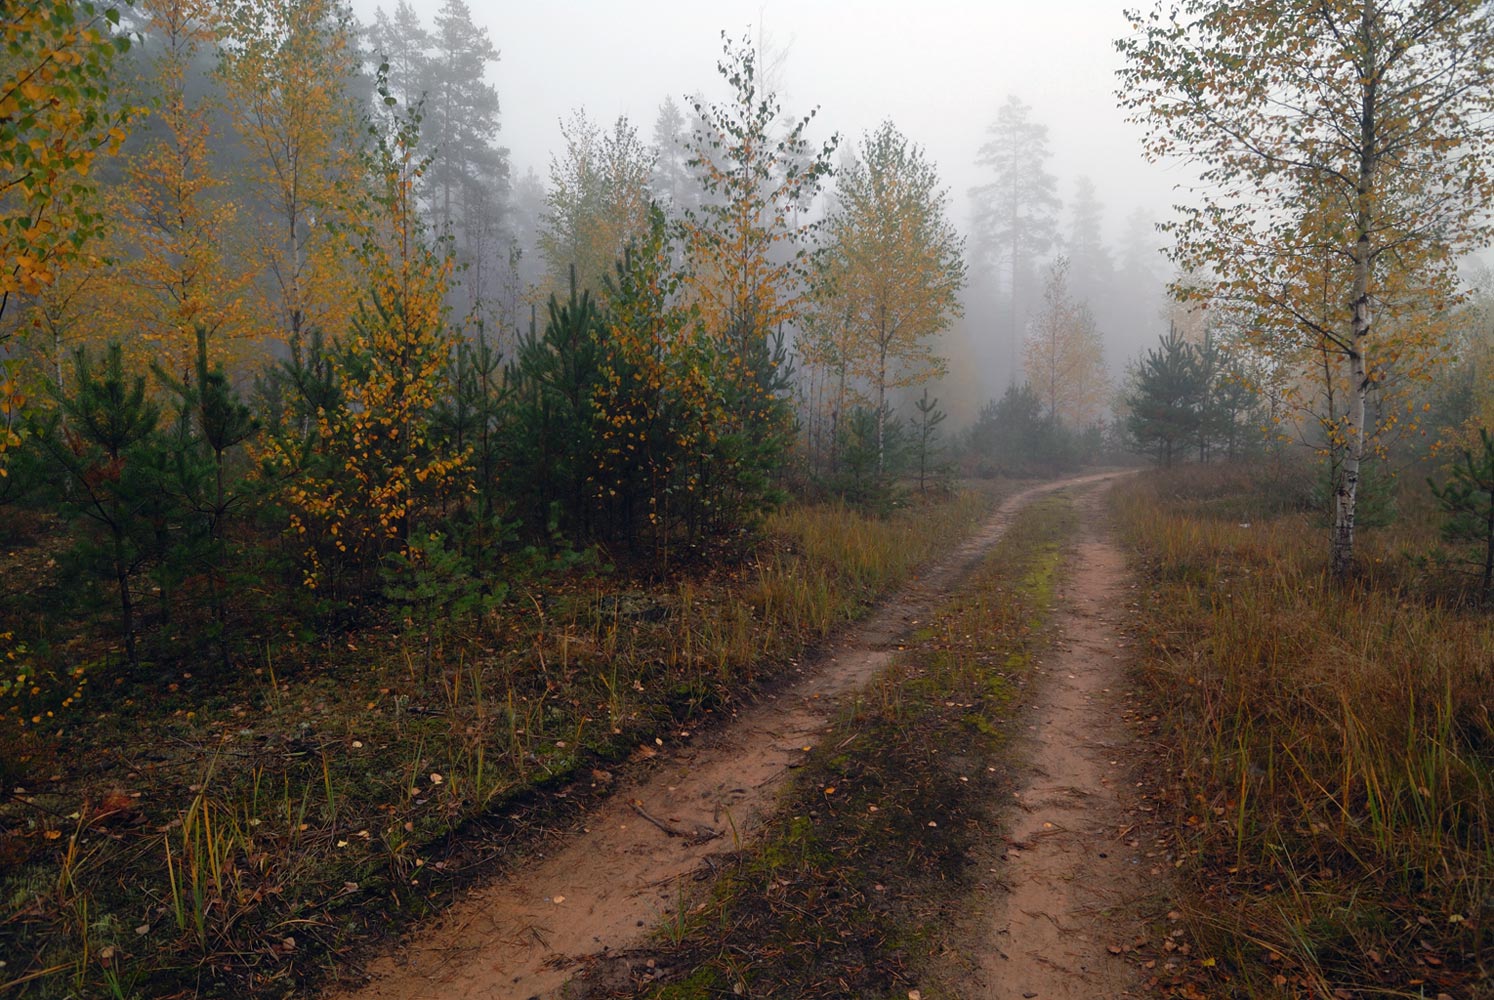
point(1467, 500)
point(929, 419)
point(98, 439)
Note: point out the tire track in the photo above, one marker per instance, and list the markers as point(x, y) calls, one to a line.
point(607, 887)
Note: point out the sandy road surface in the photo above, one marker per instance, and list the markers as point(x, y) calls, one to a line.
point(606, 887)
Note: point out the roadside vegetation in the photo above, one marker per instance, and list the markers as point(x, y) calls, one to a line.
point(268, 821)
point(853, 885)
point(1329, 744)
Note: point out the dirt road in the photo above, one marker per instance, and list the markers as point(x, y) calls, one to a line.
point(607, 887)
point(1058, 922)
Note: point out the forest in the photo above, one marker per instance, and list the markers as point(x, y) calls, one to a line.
point(379, 519)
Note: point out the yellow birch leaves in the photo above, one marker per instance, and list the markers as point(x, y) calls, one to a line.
point(56, 116)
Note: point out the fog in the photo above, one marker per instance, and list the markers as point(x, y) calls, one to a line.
point(938, 69)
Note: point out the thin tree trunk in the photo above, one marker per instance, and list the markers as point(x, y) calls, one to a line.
point(126, 605)
point(882, 410)
point(1347, 496)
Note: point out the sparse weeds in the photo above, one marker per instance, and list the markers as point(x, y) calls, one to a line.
point(287, 810)
point(1334, 764)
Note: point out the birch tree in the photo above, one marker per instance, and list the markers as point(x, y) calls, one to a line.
point(174, 218)
point(286, 68)
point(1341, 137)
point(598, 199)
point(748, 243)
point(57, 114)
point(1063, 355)
point(897, 264)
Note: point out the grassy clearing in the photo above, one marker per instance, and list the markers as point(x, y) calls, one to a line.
point(234, 836)
point(1333, 763)
point(850, 887)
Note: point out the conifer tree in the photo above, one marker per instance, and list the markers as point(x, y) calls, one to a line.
point(929, 419)
point(553, 431)
point(99, 442)
point(1165, 399)
point(1467, 501)
point(213, 423)
point(1016, 211)
point(467, 182)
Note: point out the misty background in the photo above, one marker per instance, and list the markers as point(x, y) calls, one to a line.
point(940, 71)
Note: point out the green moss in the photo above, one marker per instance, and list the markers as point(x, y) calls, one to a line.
point(702, 984)
point(982, 725)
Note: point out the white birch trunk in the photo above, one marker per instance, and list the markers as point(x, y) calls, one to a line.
point(1346, 497)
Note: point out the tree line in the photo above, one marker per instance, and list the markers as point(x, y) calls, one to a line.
point(250, 360)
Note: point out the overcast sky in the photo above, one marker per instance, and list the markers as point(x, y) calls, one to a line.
point(938, 68)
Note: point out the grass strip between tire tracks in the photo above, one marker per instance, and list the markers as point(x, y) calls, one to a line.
point(874, 846)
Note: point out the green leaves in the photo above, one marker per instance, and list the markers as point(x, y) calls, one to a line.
point(56, 115)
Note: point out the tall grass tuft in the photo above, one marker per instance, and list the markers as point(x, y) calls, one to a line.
point(1333, 746)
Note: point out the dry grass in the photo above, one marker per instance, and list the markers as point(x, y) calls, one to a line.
point(235, 836)
point(1333, 746)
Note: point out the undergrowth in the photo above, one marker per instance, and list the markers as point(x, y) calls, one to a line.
point(212, 837)
point(849, 889)
point(1332, 765)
